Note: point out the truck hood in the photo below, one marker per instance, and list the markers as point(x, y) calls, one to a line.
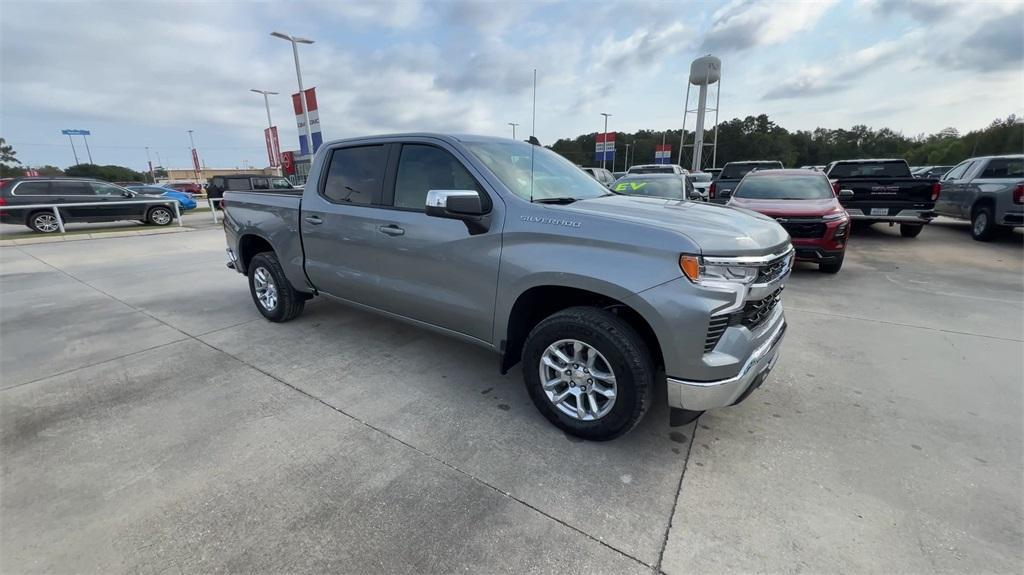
point(717, 230)
point(793, 208)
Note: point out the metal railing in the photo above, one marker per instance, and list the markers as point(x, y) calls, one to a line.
point(213, 208)
point(60, 221)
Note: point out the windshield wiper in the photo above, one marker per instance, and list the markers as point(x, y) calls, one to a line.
point(560, 201)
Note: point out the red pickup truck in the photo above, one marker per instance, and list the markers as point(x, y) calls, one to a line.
point(805, 204)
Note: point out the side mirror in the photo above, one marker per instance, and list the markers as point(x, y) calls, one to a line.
point(465, 205)
point(695, 195)
point(128, 194)
point(845, 194)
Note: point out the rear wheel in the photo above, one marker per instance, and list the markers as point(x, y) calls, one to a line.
point(588, 372)
point(44, 222)
point(271, 291)
point(160, 216)
point(911, 230)
point(983, 224)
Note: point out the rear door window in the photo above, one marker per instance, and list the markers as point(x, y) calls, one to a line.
point(355, 175)
point(424, 168)
point(260, 184)
point(74, 188)
point(1002, 168)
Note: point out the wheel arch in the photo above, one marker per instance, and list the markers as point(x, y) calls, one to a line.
point(538, 302)
point(248, 246)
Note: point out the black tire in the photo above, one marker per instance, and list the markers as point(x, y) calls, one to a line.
point(160, 216)
point(289, 303)
point(832, 267)
point(626, 354)
point(44, 222)
point(911, 230)
point(983, 224)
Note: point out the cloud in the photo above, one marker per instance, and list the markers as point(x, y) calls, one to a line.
point(995, 45)
point(850, 68)
point(744, 24)
point(924, 11)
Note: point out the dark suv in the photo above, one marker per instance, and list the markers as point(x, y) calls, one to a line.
point(246, 183)
point(66, 192)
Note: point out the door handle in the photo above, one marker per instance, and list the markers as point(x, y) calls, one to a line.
point(315, 220)
point(391, 230)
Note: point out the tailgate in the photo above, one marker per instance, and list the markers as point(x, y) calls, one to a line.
point(888, 192)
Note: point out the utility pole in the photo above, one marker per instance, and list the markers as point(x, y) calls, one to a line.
point(626, 158)
point(603, 153)
point(513, 124)
point(295, 40)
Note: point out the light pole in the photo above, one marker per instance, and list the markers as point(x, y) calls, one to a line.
point(625, 162)
point(513, 124)
point(295, 40)
point(270, 123)
point(149, 160)
point(603, 152)
point(195, 157)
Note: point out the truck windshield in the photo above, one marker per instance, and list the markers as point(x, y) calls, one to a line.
point(551, 176)
point(784, 188)
point(870, 170)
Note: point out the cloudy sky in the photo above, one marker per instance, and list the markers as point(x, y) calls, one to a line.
point(142, 73)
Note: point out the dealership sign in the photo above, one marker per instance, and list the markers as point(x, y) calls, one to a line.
point(663, 154)
point(604, 149)
point(273, 146)
point(314, 121)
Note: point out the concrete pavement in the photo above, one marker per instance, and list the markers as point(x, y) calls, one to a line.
point(150, 419)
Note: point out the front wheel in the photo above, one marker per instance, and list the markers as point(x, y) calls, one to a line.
point(271, 291)
point(588, 372)
point(160, 216)
point(911, 230)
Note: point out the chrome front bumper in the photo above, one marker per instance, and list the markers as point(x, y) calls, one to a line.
point(704, 395)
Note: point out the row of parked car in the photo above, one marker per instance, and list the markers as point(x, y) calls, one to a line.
point(28, 200)
point(988, 191)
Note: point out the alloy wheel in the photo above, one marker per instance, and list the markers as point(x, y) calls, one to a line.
point(577, 379)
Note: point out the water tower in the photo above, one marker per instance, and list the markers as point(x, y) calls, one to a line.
point(705, 72)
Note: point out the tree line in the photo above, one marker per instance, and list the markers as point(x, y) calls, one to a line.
point(758, 138)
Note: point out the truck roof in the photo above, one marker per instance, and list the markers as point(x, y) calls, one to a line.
point(870, 161)
point(437, 135)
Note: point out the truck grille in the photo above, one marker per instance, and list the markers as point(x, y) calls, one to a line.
point(773, 269)
point(716, 327)
point(804, 229)
point(755, 312)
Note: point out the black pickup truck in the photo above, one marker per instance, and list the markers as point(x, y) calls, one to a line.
point(884, 191)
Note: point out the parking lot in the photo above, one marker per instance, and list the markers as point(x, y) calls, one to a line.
point(153, 421)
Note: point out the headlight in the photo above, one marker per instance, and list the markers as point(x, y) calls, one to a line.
point(834, 216)
point(716, 275)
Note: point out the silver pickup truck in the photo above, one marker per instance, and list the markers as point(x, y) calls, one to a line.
point(989, 191)
point(507, 245)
